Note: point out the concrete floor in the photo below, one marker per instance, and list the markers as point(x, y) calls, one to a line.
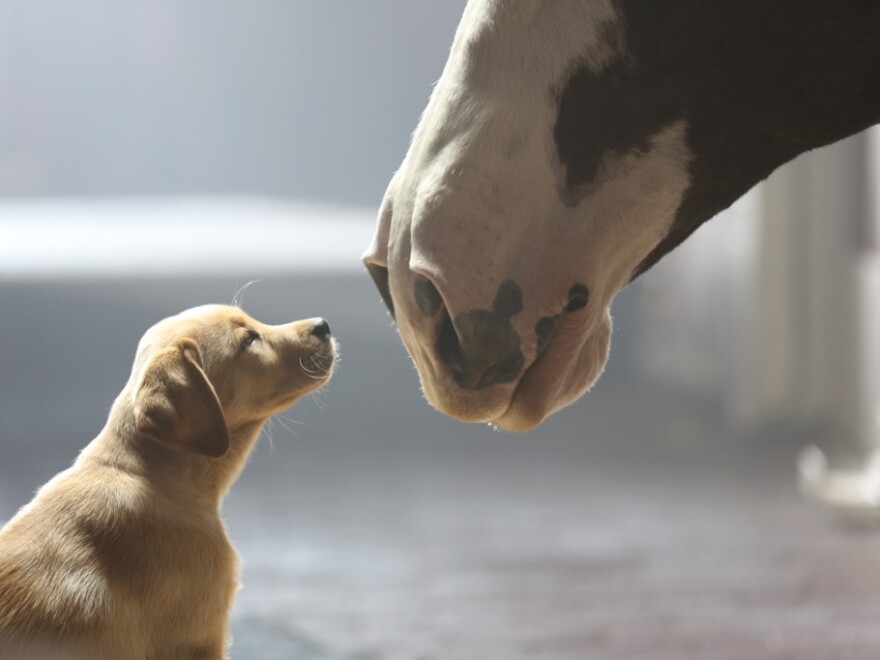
point(632, 525)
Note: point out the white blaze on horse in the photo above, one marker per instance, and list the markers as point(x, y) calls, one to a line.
point(568, 146)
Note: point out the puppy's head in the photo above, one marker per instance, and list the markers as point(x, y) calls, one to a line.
point(210, 370)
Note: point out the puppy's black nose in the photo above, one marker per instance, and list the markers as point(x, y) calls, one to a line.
point(321, 329)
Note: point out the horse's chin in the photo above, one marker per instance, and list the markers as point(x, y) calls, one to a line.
point(467, 406)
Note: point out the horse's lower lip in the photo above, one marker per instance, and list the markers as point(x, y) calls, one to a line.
point(514, 420)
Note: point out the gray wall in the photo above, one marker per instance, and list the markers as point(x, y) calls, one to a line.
point(282, 97)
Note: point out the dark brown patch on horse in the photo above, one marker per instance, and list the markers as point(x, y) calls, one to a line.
point(481, 347)
point(764, 82)
point(602, 117)
point(508, 300)
point(757, 83)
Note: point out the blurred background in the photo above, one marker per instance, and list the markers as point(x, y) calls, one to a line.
point(156, 156)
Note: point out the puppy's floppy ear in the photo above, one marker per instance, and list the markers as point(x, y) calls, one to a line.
point(176, 404)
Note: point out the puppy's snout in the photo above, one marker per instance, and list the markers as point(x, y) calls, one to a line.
point(320, 329)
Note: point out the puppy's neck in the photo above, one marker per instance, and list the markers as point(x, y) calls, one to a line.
point(175, 474)
point(224, 471)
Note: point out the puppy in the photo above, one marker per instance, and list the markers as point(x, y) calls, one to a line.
point(124, 556)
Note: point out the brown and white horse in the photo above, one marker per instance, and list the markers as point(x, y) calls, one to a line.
point(568, 146)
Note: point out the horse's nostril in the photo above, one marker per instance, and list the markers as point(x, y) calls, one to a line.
point(427, 296)
point(578, 297)
point(448, 345)
point(379, 274)
point(320, 329)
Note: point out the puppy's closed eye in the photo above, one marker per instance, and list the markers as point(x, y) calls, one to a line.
point(250, 337)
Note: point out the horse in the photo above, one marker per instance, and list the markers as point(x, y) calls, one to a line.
point(567, 147)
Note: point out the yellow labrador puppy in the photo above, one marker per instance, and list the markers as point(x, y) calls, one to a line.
point(124, 556)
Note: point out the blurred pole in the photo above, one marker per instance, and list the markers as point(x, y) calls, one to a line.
point(869, 297)
point(837, 333)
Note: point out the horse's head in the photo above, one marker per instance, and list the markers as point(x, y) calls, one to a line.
point(567, 146)
point(508, 230)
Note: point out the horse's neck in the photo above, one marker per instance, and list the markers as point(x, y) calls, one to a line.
point(761, 82)
point(804, 72)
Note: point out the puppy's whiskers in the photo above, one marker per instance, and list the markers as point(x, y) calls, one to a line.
point(314, 370)
point(238, 296)
point(269, 433)
point(284, 423)
point(319, 397)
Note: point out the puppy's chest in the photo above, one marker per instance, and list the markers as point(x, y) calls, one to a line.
point(166, 564)
point(190, 586)
point(192, 562)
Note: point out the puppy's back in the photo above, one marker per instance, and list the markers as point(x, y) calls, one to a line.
point(54, 595)
point(104, 566)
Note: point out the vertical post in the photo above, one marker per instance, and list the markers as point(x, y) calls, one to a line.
point(847, 298)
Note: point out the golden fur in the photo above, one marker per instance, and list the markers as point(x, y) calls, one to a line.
point(124, 555)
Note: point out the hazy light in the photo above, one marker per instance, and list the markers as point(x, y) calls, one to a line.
point(156, 236)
